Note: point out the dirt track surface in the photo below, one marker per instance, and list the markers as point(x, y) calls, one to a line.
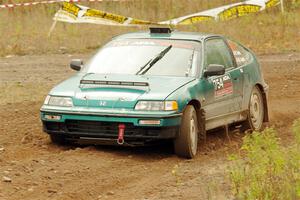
point(33, 168)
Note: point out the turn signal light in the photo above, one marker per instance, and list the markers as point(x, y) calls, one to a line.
point(52, 117)
point(149, 122)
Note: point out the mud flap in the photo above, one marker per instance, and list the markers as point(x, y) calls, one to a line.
point(201, 124)
point(266, 110)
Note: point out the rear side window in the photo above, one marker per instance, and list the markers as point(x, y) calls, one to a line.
point(241, 55)
point(217, 52)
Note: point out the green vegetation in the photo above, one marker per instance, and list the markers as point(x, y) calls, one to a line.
point(267, 170)
point(24, 30)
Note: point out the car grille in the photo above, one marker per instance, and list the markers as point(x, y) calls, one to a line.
point(97, 127)
point(105, 129)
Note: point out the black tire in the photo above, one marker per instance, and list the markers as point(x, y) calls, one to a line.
point(185, 145)
point(255, 115)
point(57, 139)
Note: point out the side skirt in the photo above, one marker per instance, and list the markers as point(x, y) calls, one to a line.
point(227, 119)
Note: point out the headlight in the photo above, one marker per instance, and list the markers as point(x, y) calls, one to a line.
point(157, 105)
point(58, 101)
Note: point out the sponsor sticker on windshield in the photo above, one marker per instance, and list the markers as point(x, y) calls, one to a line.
point(149, 42)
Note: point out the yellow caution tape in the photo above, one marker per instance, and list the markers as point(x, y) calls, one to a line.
point(104, 15)
point(272, 3)
point(73, 13)
point(238, 11)
point(195, 19)
point(71, 8)
point(142, 22)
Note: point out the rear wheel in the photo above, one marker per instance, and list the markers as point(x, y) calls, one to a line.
point(185, 145)
point(57, 139)
point(255, 117)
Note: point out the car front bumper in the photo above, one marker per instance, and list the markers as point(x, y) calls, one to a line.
point(94, 125)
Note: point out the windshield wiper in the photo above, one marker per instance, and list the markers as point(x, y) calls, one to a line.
point(191, 62)
point(154, 60)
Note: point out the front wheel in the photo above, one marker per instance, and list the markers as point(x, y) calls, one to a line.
point(255, 118)
point(185, 145)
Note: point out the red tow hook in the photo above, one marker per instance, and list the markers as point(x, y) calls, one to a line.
point(121, 134)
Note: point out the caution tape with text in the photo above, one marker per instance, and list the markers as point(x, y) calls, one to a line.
point(73, 13)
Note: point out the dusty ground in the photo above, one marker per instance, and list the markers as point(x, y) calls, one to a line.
point(36, 169)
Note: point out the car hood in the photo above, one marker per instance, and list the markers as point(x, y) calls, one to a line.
point(117, 91)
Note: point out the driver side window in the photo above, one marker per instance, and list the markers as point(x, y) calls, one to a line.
point(217, 52)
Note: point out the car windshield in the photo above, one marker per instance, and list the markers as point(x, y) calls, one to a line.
point(135, 56)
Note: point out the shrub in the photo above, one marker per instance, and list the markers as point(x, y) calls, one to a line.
point(268, 170)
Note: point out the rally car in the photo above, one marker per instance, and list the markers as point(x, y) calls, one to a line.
point(145, 87)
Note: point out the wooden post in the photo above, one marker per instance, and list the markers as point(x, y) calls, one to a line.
point(52, 28)
point(282, 6)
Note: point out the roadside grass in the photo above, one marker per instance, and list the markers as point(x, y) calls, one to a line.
point(265, 169)
point(24, 30)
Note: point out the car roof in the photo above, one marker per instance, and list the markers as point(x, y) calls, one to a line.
point(177, 35)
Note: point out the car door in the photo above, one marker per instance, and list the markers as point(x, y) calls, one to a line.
point(237, 75)
point(243, 61)
point(224, 92)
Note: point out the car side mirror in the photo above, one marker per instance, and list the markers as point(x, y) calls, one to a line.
point(76, 64)
point(214, 70)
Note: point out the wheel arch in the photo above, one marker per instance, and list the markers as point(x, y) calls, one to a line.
point(200, 116)
point(265, 101)
point(195, 103)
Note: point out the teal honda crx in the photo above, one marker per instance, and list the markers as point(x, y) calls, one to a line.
point(144, 87)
